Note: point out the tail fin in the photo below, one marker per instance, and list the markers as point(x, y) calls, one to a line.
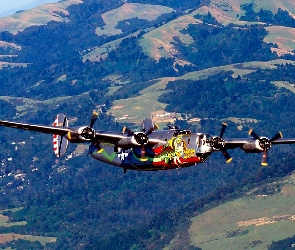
point(148, 126)
point(60, 143)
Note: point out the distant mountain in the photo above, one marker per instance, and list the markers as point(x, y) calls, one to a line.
point(10, 7)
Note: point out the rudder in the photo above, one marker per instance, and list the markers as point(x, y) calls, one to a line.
point(60, 143)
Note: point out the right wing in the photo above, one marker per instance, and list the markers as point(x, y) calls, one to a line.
point(82, 134)
point(36, 128)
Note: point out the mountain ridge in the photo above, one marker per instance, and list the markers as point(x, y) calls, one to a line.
point(39, 15)
point(9, 7)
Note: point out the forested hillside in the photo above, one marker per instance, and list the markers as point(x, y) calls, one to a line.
point(213, 60)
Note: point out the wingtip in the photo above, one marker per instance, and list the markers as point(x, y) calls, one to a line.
point(250, 131)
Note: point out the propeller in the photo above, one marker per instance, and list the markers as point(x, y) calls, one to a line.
point(218, 143)
point(265, 144)
point(88, 132)
point(93, 118)
point(142, 137)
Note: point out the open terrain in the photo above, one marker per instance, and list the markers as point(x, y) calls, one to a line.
point(37, 16)
point(135, 109)
point(264, 215)
point(6, 237)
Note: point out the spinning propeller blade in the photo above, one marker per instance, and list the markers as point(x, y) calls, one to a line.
point(147, 127)
point(93, 118)
point(253, 134)
point(218, 144)
point(265, 144)
point(128, 130)
point(277, 136)
point(264, 161)
point(223, 128)
point(226, 155)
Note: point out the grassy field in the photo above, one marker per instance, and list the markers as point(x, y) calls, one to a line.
point(254, 221)
point(43, 240)
point(158, 42)
point(283, 37)
point(129, 11)
point(286, 85)
point(4, 222)
point(37, 16)
point(139, 107)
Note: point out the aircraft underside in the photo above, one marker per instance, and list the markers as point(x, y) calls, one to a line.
point(157, 158)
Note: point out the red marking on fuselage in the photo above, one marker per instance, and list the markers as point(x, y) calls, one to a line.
point(184, 163)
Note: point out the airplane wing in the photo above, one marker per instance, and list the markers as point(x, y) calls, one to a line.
point(85, 134)
point(250, 143)
point(255, 145)
point(232, 143)
point(130, 138)
point(37, 128)
point(124, 140)
point(284, 141)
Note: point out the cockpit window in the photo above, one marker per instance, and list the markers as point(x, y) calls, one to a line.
point(182, 132)
point(201, 140)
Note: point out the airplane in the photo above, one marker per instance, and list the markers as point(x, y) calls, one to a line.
point(150, 149)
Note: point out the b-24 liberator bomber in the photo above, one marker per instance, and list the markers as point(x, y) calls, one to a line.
point(150, 149)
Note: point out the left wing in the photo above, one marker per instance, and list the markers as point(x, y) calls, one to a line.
point(284, 141)
point(253, 145)
point(256, 144)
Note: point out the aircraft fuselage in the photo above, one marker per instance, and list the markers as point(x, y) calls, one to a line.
point(175, 149)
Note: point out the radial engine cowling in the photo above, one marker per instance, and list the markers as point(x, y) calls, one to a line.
point(82, 134)
point(137, 139)
point(258, 145)
point(216, 142)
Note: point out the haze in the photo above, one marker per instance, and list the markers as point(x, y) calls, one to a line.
point(9, 7)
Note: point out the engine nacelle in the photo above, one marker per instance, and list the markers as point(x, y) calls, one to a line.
point(137, 139)
point(82, 134)
point(216, 143)
point(254, 146)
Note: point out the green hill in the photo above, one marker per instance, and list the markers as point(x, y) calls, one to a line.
point(262, 216)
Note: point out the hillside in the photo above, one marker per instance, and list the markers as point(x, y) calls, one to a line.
point(203, 62)
point(9, 8)
point(256, 220)
point(37, 16)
